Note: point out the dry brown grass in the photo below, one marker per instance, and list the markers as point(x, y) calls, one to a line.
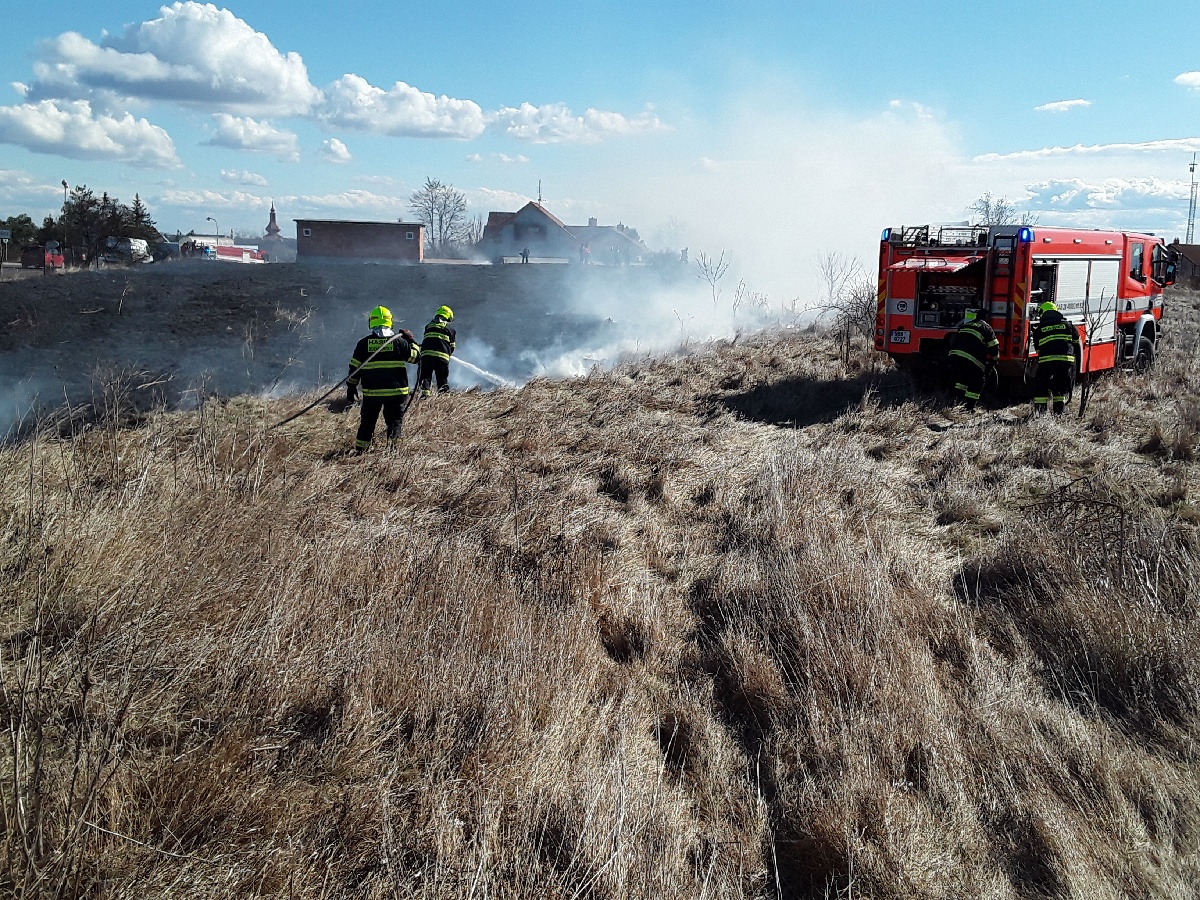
point(619, 637)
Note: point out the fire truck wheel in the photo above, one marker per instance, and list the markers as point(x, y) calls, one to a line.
point(1144, 360)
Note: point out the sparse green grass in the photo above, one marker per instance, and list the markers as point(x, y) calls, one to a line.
point(629, 636)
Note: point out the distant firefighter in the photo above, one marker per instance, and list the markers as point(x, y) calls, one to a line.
point(974, 349)
point(380, 363)
point(437, 346)
point(1057, 343)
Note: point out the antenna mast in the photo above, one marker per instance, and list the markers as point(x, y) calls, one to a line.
point(1191, 228)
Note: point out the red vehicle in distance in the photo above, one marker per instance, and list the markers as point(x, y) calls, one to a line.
point(49, 257)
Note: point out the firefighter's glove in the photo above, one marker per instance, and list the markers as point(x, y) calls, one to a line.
point(351, 393)
point(408, 335)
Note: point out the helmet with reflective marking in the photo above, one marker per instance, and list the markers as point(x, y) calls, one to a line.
point(381, 317)
point(445, 312)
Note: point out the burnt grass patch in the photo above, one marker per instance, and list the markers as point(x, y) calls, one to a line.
point(803, 400)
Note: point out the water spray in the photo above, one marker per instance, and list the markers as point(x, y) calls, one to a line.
point(494, 379)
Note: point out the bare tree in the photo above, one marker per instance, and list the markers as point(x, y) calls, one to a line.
point(443, 211)
point(850, 297)
point(472, 231)
point(992, 210)
point(712, 271)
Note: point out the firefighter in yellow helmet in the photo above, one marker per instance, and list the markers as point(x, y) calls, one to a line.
point(1057, 344)
point(437, 346)
point(974, 349)
point(380, 364)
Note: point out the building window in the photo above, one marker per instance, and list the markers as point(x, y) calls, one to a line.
point(308, 232)
point(409, 235)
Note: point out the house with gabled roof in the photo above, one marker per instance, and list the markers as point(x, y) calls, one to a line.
point(535, 229)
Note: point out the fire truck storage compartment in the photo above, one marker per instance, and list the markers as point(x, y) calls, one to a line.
point(1084, 290)
point(943, 298)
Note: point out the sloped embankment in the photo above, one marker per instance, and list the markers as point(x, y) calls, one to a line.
point(624, 636)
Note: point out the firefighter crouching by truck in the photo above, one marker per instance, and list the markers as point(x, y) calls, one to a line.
point(384, 377)
point(437, 345)
point(1057, 343)
point(974, 349)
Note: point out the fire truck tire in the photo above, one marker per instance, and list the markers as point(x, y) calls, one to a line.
point(1143, 361)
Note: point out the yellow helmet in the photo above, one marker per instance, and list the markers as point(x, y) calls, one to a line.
point(970, 315)
point(381, 317)
point(1047, 306)
point(445, 312)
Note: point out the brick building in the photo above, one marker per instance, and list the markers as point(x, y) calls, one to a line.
point(339, 241)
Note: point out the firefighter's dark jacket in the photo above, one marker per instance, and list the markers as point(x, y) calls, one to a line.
point(977, 342)
point(1056, 339)
point(386, 375)
point(438, 342)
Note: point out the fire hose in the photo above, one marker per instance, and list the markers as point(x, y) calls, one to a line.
point(297, 415)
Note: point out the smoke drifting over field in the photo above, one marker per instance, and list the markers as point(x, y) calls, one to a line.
point(174, 333)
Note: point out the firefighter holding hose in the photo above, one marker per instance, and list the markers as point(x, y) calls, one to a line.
point(1057, 343)
point(974, 349)
point(437, 346)
point(380, 364)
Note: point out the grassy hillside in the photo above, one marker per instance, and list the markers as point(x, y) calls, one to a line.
point(739, 623)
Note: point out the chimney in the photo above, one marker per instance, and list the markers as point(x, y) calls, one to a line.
point(591, 222)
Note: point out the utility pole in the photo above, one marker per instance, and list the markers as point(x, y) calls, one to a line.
point(1191, 229)
point(540, 189)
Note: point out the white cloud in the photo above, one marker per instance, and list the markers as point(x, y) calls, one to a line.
point(244, 133)
point(1171, 145)
point(555, 123)
point(502, 158)
point(351, 201)
point(488, 200)
point(381, 180)
point(245, 177)
point(1073, 194)
point(1189, 80)
point(335, 151)
point(192, 53)
point(1062, 105)
point(73, 130)
point(402, 111)
point(203, 200)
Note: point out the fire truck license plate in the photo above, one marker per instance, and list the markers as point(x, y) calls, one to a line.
point(899, 336)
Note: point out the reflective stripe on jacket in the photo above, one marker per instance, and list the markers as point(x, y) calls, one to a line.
point(977, 342)
point(387, 374)
point(438, 342)
point(1056, 339)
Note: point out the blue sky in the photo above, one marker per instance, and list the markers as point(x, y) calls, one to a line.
point(775, 131)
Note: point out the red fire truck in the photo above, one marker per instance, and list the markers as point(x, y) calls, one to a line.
point(1109, 283)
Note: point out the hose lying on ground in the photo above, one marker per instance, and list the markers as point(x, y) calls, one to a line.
point(297, 415)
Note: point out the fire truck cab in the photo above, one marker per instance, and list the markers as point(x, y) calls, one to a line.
point(1108, 283)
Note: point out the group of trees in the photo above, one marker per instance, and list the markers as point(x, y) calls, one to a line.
point(449, 231)
point(86, 223)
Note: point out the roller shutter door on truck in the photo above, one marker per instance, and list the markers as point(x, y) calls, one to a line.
point(1086, 291)
point(1102, 299)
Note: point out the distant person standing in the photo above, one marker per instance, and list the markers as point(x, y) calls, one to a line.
point(974, 350)
point(380, 364)
point(1057, 343)
point(437, 346)
point(525, 255)
point(683, 256)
